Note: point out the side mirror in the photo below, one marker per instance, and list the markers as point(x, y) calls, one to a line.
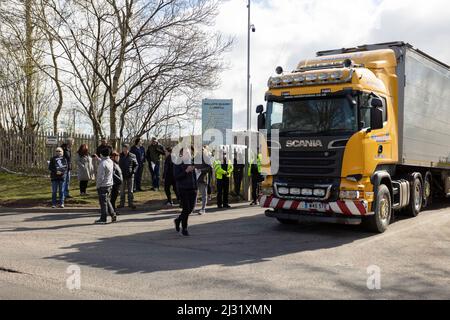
point(260, 109)
point(376, 102)
point(376, 118)
point(261, 121)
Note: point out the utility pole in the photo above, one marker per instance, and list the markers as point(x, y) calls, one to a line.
point(250, 28)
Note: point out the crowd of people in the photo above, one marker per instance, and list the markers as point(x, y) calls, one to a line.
point(119, 176)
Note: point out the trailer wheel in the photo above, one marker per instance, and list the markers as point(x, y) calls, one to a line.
point(379, 221)
point(415, 201)
point(286, 221)
point(427, 193)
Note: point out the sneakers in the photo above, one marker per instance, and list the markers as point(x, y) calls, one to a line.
point(62, 206)
point(169, 204)
point(200, 212)
point(177, 224)
point(227, 206)
point(100, 221)
point(114, 219)
point(185, 233)
point(53, 206)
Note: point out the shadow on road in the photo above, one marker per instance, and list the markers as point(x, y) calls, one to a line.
point(233, 242)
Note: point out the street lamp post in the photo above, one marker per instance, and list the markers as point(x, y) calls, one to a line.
point(250, 28)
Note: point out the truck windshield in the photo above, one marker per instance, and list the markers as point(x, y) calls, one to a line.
point(322, 116)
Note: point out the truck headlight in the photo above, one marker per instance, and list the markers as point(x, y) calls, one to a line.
point(319, 192)
point(295, 191)
point(349, 194)
point(283, 190)
point(307, 192)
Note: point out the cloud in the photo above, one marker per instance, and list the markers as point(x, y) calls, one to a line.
point(290, 30)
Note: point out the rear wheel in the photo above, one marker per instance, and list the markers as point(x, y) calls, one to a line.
point(286, 221)
point(415, 201)
point(379, 221)
point(427, 194)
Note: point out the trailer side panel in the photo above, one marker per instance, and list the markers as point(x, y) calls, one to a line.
point(426, 114)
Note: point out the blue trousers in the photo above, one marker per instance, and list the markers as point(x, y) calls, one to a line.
point(57, 186)
point(155, 175)
point(67, 184)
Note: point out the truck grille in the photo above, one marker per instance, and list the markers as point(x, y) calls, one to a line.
point(311, 163)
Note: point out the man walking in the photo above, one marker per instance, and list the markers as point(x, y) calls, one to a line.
point(128, 164)
point(223, 170)
point(67, 151)
point(104, 186)
point(187, 188)
point(139, 151)
point(154, 152)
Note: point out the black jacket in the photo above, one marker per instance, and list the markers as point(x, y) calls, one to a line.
point(185, 181)
point(168, 170)
point(154, 151)
point(57, 164)
point(139, 152)
point(128, 164)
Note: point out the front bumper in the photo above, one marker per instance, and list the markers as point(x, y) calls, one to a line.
point(340, 207)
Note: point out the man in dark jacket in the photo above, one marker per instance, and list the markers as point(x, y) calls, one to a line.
point(139, 151)
point(238, 172)
point(153, 155)
point(58, 168)
point(67, 149)
point(103, 145)
point(186, 181)
point(169, 180)
point(128, 164)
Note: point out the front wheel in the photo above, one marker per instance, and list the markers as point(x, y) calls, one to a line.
point(379, 221)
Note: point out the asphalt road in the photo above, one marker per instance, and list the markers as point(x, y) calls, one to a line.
point(233, 254)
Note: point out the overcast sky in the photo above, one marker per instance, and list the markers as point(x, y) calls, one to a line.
point(290, 30)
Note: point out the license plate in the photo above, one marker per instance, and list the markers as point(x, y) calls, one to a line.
point(314, 206)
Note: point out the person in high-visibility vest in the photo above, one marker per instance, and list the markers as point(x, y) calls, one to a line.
point(254, 171)
point(223, 168)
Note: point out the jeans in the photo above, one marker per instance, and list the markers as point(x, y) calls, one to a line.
point(127, 186)
point(155, 175)
point(83, 186)
point(66, 184)
point(223, 186)
point(57, 186)
point(188, 203)
point(138, 177)
point(105, 203)
point(203, 190)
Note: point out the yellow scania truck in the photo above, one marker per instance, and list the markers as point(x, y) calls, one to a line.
point(362, 133)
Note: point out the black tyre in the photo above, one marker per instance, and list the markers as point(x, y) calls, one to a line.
point(379, 221)
point(416, 198)
point(427, 193)
point(287, 221)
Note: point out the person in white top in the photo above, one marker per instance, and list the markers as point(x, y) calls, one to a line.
point(104, 186)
